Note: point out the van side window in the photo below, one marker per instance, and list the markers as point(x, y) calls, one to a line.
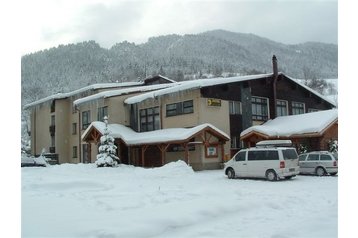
point(263, 155)
point(240, 156)
point(325, 157)
point(313, 157)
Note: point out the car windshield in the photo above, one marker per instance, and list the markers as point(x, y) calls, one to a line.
point(289, 154)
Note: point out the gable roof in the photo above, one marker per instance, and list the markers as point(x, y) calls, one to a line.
point(313, 123)
point(81, 90)
point(131, 137)
point(122, 91)
point(192, 84)
point(200, 83)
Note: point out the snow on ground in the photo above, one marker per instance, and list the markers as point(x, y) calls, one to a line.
point(81, 200)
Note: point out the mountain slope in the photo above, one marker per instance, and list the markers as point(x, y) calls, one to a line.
point(68, 67)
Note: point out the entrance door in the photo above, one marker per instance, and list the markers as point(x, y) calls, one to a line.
point(86, 153)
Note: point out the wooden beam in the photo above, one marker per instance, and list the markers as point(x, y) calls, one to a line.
point(186, 153)
point(143, 149)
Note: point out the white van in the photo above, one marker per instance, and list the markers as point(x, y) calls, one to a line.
point(266, 160)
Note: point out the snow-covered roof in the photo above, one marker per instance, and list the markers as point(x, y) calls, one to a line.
point(192, 84)
point(123, 91)
point(160, 76)
point(199, 83)
point(295, 125)
point(81, 90)
point(131, 137)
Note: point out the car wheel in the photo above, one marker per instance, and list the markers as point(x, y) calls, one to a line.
point(320, 171)
point(271, 175)
point(230, 173)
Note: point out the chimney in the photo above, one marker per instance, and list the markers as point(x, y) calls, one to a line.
point(275, 75)
point(274, 66)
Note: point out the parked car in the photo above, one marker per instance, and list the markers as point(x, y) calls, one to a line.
point(319, 163)
point(264, 161)
point(30, 161)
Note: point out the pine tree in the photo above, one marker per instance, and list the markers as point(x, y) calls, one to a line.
point(107, 150)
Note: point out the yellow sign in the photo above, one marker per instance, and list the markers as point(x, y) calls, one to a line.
point(214, 102)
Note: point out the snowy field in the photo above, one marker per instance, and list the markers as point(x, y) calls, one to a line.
point(172, 201)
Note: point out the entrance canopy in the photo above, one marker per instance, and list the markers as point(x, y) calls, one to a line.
point(166, 136)
point(312, 124)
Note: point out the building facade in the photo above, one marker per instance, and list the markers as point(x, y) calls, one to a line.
point(230, 105)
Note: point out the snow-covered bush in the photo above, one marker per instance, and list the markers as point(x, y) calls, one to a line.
point(107, 150)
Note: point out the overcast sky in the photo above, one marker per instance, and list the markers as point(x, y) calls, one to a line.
point(52, 22)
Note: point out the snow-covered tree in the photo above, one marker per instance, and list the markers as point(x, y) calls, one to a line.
point(107, 150)
point(333, 146)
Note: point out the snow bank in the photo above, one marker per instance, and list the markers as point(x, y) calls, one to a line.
point(80, 200)
point(177, 168)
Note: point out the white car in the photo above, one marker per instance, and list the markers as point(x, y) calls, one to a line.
point(270, 162)
point(319, 163)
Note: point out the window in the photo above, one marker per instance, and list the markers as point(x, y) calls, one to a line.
point(234, 107)
point(179, 108)
point(53, 106)
point(313, 157)
point(180, 147)
point(281, 108)
point(149, 119)
point(102, 112)
point(188, 107)
point(240, 156)
point(298, 108)
point(74, 152)
point(85, 119)
point(259, 108)
point(289, 154)
point(325, 157)
point(235, 142)
point(263, 155)
point(52, 120)
point(74, 128)
point(312, 110)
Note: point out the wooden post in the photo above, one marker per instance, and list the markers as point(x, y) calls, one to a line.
point(186, 153)
point(143, 148)
point(163, 148)
point(222, 152)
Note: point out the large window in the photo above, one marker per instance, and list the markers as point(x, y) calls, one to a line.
point(179, 108)
point(235, 142)
point(102, 112)
point(281, 108)
point(259, 108)
point(149, 119)
point(234, 107)
point(86, 119)
point(298, 108)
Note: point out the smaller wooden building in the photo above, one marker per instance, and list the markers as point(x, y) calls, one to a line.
point(313, 131)
point(202, 146)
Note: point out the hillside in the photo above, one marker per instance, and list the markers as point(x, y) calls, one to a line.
point(68, 67)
